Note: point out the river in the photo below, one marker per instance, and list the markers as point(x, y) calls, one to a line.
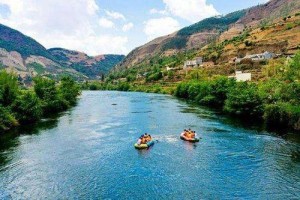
point(87, 153)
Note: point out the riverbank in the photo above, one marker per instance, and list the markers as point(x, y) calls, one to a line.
point(274, 100)
point(22, 106)
point(90, 150)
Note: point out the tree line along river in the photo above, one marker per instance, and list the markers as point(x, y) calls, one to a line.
point(87, 153)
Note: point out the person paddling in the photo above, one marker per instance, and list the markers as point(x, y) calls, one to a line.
point(140, 140)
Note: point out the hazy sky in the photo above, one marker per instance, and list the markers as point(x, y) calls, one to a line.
point(108, 26)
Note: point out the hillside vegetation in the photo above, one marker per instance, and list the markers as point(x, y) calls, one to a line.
point(13, 40)
point(273, 93)
point(212, 29)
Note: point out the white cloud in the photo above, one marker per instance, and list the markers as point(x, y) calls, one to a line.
point(191, 10)
point(155, 11)
point(127, 27)
point(105, 23)
point(115, 15)
point(160, 26)
point(72, 24)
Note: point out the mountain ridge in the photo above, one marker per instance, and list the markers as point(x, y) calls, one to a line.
point(28, 58)
point(197, 36)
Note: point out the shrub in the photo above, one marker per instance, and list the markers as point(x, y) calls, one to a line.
point(282, 115)
point(93, 87)
point(182, 90)
point(123, 87)
point(270, 91)
point(194, 89)
point(47, 92)
point(244, 100)
point(27, 107)
point(289, 26)
point(68, 90)
point(9, 88)
point(7, 120)
point(248, 43)
point(220, 88)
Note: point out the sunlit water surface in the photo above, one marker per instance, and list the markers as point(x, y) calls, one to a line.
point(87, 153)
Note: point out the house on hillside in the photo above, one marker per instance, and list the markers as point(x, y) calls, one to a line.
point(241, 77)
point(257, 57)
point(193, 63)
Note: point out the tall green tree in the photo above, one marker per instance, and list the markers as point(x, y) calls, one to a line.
point(9, 88)
point(27, 107)
point(69, 90)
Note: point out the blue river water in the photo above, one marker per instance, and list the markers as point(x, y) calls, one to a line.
point(87, 153)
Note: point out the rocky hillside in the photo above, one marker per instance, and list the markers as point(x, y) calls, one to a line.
point(93, 67)
point(28, 58)
point(218, 28)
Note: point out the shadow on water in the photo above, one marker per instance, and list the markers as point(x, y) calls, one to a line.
point(10, 139)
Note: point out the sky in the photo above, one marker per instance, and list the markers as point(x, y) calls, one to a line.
point(108, 26)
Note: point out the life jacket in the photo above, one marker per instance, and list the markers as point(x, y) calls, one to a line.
point(143, 140)
point(192, 135)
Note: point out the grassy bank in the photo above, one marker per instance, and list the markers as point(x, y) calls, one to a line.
point(20, 106)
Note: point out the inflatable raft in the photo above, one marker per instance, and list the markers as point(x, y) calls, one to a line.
point(194, 140)
point(144, 146)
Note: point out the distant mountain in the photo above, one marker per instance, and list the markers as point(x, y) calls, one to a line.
point(87, 65)
point(13, 40)
point(28, 58)
point(198, 35)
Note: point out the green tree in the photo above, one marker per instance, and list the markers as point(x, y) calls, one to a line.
point(27, 107)
point(293, 70)
point(8, 88)
point(69, 90)
point(47, 92)
point(7, 120)
point(244, 100)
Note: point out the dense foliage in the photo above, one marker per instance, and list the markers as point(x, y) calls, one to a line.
point(277, 99)
point(20, 106)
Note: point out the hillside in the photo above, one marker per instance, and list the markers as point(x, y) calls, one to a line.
point(198, 35)
point(28, 58)
point(13, 40)
point(192, 37)
point(91, 67)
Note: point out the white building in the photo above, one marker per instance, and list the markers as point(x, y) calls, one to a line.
point(241, 77)
point(257, 57)
point(193, 63)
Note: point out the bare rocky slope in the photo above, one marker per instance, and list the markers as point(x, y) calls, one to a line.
point(28, 58)
point(219, 28)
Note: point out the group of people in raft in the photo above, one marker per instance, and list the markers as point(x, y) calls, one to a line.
point(144, 139)
point(187, 133)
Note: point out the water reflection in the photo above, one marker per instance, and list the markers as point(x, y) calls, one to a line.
point(88, 153)
point(10, 139)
